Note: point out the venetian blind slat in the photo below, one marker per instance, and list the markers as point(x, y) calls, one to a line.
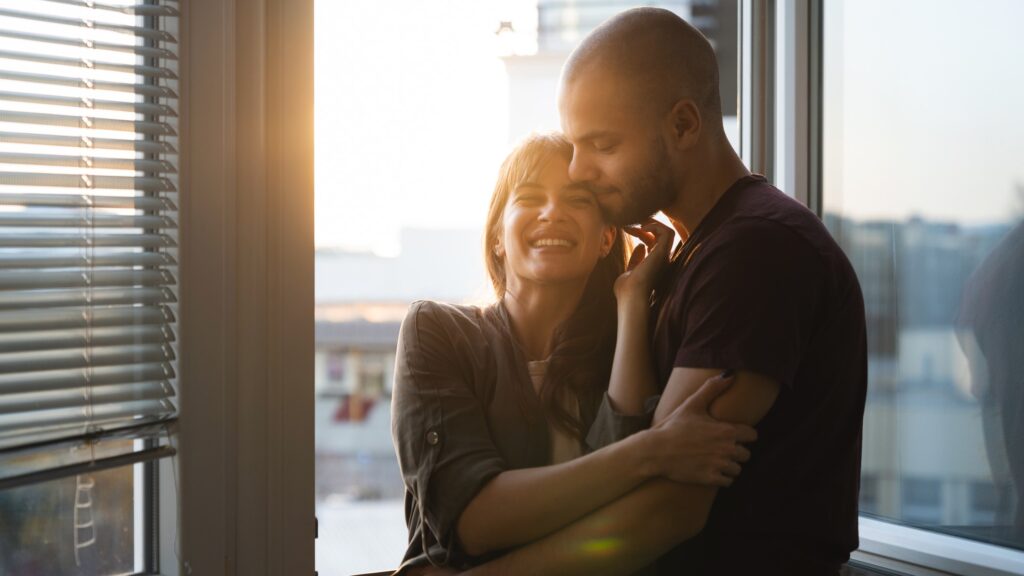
point(78, 239)
point(89, 296)
point(79, 338)
point(83, 380)
point(40, 402)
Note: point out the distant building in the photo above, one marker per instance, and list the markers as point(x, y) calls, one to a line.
point(361, 300)
point(354, 377)
point(925, 458)
point(561, 24)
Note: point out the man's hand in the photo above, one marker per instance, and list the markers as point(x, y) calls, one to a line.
point(692, 447)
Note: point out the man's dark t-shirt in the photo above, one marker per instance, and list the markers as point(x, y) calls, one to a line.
point(761, 286)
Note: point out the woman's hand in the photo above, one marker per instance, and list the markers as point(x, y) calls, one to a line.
point(692, 447)
point(647, 261)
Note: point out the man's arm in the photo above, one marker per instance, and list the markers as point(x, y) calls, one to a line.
point(746, 402)
point(631, 532)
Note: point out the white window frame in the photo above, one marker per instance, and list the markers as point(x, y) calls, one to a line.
point(239, 498)
point(923, 552)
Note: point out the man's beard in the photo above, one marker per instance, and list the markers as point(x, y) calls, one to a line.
point(651, 191)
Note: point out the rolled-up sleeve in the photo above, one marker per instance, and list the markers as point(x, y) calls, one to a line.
point(610, 426)
point(439, 428)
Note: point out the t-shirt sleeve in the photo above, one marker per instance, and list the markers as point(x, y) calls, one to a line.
point(610, 425)
point(441, 436)
point(752, 302)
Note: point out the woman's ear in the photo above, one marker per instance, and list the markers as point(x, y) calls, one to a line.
point(608, 240)
point(499, 250)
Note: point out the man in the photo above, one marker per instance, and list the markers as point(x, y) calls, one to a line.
point(759, 287)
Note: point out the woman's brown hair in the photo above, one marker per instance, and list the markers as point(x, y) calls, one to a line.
point(584, 345)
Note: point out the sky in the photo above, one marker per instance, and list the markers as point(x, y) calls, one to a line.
point(923, 105)
point(411, 116)
point(923, 113)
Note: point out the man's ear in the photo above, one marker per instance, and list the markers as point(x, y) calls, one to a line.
point(685, 124)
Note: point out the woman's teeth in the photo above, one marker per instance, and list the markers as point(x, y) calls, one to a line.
point(551, 242)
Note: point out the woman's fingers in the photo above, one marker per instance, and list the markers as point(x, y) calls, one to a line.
point(721, 480)
point(745, 433)
point(638, 255)
point(650, 232)
point(656, 236)
point(662, 235)
point(655, 227)
point(740, 454)
point(731, 469)
point(643, 235)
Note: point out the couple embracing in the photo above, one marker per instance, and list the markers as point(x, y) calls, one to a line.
point(648, 410)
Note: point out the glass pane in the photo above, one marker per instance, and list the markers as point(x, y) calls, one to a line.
point(417, 104)
point(924, 188)
point(78, 525)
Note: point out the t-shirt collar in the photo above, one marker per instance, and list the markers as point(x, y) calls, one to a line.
point(714, 216)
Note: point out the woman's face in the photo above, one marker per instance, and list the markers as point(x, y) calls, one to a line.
point(552, 229)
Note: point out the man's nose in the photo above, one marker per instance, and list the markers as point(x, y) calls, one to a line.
point(580, 169)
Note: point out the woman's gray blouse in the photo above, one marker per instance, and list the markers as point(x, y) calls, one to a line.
point(463, 411)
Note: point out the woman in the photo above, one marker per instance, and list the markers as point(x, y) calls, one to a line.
point(492, 406)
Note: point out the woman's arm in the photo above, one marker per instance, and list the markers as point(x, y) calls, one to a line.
point(520, 506)
point(632, 379)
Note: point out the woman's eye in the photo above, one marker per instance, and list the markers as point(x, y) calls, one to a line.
point(582, 200)
point(600, 146)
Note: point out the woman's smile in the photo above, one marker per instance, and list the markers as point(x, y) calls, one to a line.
point(553, 228)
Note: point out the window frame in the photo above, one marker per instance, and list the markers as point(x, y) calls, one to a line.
point(239, 498)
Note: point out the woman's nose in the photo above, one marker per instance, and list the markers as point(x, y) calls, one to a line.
point(551, 210)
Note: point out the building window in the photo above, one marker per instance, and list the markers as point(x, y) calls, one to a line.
point(923, 189)
point(921, 501)
point(335, 368)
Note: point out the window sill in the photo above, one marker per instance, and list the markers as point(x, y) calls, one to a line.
point(924, 553)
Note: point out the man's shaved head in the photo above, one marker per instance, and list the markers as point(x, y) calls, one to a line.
point(659, 54)
point(639, 102)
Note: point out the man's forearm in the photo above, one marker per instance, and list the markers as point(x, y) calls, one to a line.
point(619, 538)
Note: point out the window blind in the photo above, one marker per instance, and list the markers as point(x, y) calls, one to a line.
point(88, 222)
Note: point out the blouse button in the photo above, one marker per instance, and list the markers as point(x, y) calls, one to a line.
point(433, 438)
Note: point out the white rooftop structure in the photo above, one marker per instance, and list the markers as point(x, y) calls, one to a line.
point(442, 265)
